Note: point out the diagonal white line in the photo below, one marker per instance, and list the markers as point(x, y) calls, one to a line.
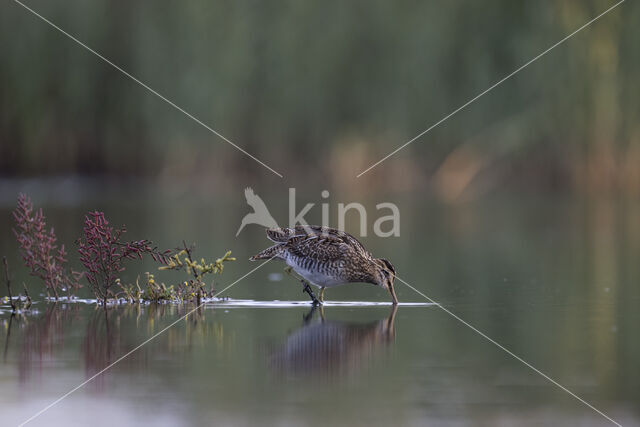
point(55, 402)
point(518, 358)
point(156, 93)
point(507, 77)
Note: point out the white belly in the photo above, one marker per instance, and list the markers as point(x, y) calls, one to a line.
point(314, 277)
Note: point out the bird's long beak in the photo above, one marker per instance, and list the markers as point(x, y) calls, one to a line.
point(392, 291)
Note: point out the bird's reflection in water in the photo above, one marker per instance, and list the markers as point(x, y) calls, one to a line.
point(328, 348)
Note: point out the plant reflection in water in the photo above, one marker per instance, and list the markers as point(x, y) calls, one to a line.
point(40, 341)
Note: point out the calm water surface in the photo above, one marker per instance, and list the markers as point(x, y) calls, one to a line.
point(554, 281)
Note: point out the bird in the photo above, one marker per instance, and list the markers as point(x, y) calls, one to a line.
point(332, 348)
point(326, 257)
point(260, 214)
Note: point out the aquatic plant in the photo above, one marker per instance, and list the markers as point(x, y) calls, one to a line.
point(102, 253)
point(39, 249)
point(151, 291)
point(22, 303)
point(195, 287)
point(192, 289)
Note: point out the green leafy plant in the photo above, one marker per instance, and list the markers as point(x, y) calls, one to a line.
point(195, 286)
point(192, 289)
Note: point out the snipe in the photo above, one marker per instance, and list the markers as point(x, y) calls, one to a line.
point(326, 257)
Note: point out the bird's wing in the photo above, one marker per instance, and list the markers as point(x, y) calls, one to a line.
point(318, 247)
point(298, 234)
point(335, 233)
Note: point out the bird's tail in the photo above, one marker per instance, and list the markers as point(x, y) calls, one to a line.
point(273, 251)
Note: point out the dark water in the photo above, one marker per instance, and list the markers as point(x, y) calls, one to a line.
point(553, 280)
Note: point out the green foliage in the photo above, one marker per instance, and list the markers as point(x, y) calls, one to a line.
point(194, 288)
point(183, 260)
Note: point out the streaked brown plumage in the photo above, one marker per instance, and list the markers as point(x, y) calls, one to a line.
point(327, 257)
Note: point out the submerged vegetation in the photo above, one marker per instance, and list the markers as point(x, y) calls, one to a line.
point(102, 252)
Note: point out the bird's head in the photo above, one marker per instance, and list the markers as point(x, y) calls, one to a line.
point(385, 277)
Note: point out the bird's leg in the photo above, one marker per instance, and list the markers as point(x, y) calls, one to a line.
point(305, 285)
point(307, 317)
point(307, 288)
point(321, 296)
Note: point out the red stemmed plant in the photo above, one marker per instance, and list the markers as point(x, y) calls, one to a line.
point(39, 249)
point(102, 253)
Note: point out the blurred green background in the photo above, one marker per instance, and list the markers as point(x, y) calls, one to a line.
point(321, 90)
